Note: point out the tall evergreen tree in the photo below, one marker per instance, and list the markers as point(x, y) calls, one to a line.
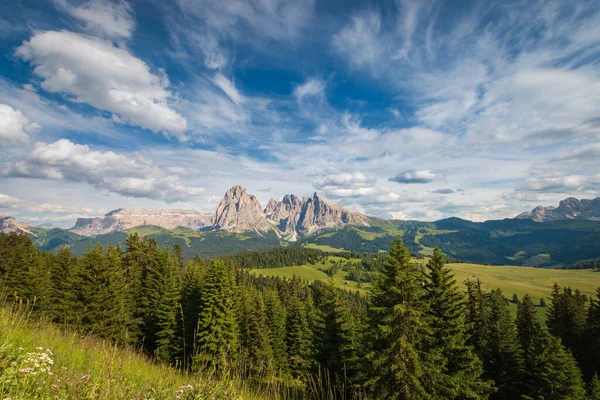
point(101, 292)
point(276, 319)
point(462, 372)
point(476, 315)
point(191, 298)
point(338, 348)
point(299, 337)
point(259, 342)
point(400, 369)
point(168, 280)
point(501, 355)
point(217, 338)
point(550, 371)
point(591, 363)
point(594, 388)
point(62, 297)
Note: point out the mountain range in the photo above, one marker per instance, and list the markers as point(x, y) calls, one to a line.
point(570, 208)
point(546, 236)
point(291, 218)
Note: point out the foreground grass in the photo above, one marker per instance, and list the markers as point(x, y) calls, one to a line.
point(42, 361)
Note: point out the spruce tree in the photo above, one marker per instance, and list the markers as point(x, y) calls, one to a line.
point(298, 338)
point(259, 341)
point(276, 318)
point(550, 371)
point(476, 315)
point(591, 365)
point(400, 368)
point(191, 298)
point(501, 355)
point(62, 297)
point(338, 347)
point(168, 279)
point(594, 388)
point(446, 313)
point(217, 338)
point(101, 292)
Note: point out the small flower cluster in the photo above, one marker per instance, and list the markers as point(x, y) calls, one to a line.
point(184, 392)
point(35, 363)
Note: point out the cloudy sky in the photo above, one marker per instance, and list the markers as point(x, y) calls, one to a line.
point(404, 109)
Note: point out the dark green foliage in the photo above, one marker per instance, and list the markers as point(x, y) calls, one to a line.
point(299, 337)
point(594, 388)
point(62, 298)
point(217, 338)
point(400, 368)
point(417, 337)
point(101, 294)
point(591, 360)
point(276, 322)
point(447, 315)
point(501, 354)
point(339, 347)
point(566, 319)
point(550, 371)
point(187, 314)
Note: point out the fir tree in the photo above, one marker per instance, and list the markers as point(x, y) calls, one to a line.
point(191, 297)
point(398, 328)
point(592, 336)
point(62, 297)
point(338, 350)
point(462, 373)
point(259, 342)
point(217, 338)
point(276, 318)
point(298, 338)
point(501, 355)
point(594, 388)
point(168, 280)
point(550, 371)
point(476, 315)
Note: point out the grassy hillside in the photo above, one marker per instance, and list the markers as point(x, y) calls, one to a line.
point(316, 272)
point(536, 282)
point(38, 360)
point(505, 242)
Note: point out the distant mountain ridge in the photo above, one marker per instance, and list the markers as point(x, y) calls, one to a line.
point(9, 224)
point(123, 219)
point(570, 208)
point(292, 218)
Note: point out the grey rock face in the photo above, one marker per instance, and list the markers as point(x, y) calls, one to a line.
point(291, 218)
point(122, 219)
point(9, 224)
point(295, 217)
point(570, 208)
point(240, 212)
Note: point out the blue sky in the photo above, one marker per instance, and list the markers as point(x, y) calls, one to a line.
point(403, 109)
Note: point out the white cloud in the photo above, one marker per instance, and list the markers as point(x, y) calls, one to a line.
point(312, 87)
point(228, 88)
point(415, 176)
point(130, 175)
point(211, 26)
point(110, 78)
point(15, 127)
point(112, 19)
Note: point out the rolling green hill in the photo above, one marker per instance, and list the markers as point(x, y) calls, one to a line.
point(505, 242)
point(537, 282)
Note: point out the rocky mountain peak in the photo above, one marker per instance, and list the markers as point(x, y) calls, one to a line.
point(9, 224)
point(240, 212)
point(569, 208)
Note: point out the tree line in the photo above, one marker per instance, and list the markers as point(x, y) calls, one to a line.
point(418, 335)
